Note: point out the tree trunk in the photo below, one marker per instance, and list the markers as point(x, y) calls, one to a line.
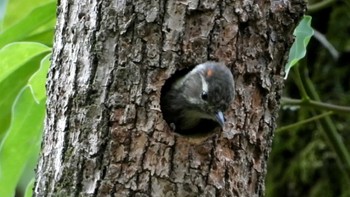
point(104, 131)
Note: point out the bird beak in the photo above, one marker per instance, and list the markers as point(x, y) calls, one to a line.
point(220, 118)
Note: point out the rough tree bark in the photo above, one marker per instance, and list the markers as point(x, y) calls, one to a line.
point(104, 131)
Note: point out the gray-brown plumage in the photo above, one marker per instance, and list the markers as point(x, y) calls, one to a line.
point(195, 103)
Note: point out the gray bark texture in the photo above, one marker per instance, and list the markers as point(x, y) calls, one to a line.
point(104, 131)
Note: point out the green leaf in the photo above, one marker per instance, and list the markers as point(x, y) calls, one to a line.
point(25, 27)
point(29, 189)
point(18, 9)
point(45, 37)
point(38, 80)
point(302, 33)
point(21, 140)
point(14, 55)
point(18, 62)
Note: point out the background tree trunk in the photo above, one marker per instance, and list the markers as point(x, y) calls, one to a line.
point(104, 132)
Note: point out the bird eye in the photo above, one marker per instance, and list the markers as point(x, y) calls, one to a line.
point(204, 95)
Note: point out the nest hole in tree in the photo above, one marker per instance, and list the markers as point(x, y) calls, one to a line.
point(205, 127)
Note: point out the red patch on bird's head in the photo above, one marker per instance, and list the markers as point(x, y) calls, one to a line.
point(209, 72)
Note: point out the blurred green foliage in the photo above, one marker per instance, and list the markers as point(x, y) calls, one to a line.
point(26, 35)
point(313, 159)
point(17, 10)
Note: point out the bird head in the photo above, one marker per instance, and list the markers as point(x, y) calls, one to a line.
point(208, 90)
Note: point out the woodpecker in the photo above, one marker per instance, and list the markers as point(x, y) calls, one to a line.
point(195, 102)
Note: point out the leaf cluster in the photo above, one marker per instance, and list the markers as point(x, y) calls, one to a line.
point(26, 34)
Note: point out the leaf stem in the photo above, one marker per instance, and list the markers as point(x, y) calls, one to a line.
point(300, 84)
point(297, 124)
point(327, 127)
point(315, 104)
point(319, 6)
